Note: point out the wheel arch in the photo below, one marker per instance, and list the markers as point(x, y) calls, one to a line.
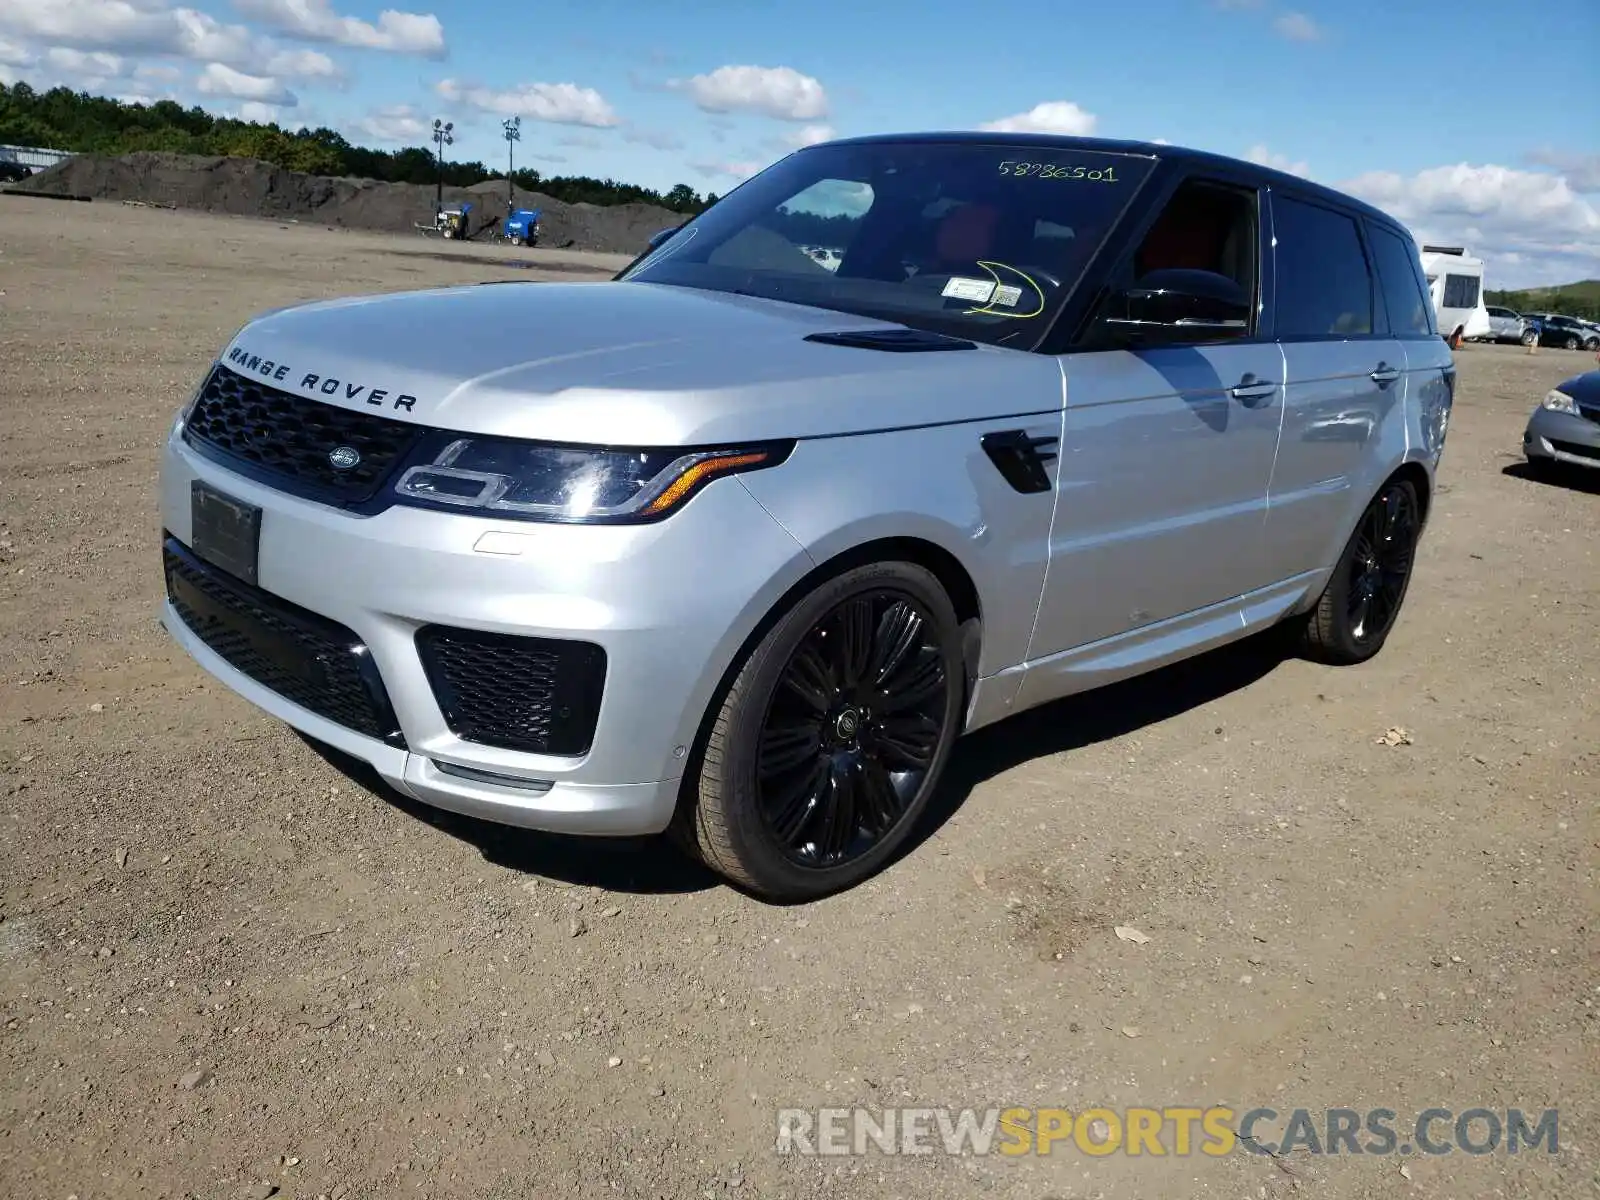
point(953, 577)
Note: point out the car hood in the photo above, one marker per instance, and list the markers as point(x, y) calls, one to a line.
point(1585, 388)
point(623, 363)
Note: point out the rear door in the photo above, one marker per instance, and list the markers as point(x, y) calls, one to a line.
point(1430, 368)
point(1344, 386)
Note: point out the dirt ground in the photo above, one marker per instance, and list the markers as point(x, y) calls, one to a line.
point(228, 966)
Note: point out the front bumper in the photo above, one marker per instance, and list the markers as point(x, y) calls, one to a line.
point(668, 604)
point(1562, 437)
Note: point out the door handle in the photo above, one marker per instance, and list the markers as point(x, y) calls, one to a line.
point(1251, 388)
point(1385, 374)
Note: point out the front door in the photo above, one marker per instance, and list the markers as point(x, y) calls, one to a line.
point(1169, 441)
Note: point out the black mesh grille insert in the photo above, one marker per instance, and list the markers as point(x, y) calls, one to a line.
point(288, 439)
point(537, 695)
point(307, 659)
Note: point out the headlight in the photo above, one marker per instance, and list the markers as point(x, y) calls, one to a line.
point(1558, 401)
point(535, 482)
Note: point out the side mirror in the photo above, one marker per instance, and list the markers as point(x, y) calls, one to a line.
point(1178, 302)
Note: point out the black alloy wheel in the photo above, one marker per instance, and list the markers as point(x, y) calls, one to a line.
point(1385, 544)
point(1361, 603)
point(832, 736)
point(852, 729)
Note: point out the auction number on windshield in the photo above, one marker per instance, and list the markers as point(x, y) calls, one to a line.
point(1034, 170)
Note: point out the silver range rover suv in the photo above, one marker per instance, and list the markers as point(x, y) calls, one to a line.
point(738, 544)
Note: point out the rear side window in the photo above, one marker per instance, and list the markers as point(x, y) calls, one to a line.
point(1399, 277)
point(1324, 288)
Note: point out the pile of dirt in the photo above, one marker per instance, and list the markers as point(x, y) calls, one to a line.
point(248, 187)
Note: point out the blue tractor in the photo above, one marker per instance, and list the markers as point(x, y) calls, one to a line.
point(522, 227)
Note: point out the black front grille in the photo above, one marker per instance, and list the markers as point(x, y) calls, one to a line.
point(537, 695)
point(287, 439)
point(309, 660)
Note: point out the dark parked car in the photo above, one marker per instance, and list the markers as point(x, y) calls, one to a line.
point(1565, 429)
point(1568, 333)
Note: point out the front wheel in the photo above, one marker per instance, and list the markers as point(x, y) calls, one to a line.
point(832, 737)
point(1362, 599)
point(1529, 338)
point(1572, 343)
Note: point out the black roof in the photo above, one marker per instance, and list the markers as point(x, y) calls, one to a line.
point(1159, 150)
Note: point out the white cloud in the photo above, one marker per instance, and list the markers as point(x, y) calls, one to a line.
point(583, 141)
point(808, 135)
point(89, 68)
point(145, 29)
point(735, 170)
point(1581, 171)
point(1533, 225)
point(14, 54)
point(1278, 162)
point(558, 103)
point(1297, 27)
point(1053, 116)
point(303, 64)
point(393, 123)
point(157, 73)
point(254, 110)
point(315, 21)
point(220, 80)
point(780, 92)
point(656, 139)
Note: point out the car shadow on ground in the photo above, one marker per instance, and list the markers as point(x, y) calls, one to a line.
point(1097, 716)
point(652, 865)
point(1573, 479)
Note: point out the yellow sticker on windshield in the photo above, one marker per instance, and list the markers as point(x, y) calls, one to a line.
point(1008, 294)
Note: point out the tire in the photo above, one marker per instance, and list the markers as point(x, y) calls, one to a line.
point(516, 239)
point(1339, 633)
point(795, 794)
point(1530, 338)
point(1571, 343)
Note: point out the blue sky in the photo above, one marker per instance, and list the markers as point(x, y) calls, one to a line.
point(1467, 125)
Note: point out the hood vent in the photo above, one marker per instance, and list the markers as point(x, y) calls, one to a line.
point(898, 341)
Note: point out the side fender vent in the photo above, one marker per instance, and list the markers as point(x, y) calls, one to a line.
point(1020, 458)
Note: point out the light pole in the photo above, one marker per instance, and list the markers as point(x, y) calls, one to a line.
point(513, 128)
point(442, 137)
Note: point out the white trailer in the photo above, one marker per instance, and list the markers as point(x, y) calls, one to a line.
point(1455, 280)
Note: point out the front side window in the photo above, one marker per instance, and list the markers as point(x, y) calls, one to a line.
point(1398, 269)
point(1324, 288)
point(980, 241)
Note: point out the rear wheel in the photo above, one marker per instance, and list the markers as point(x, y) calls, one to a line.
point(1361, 603)
point(832, 737)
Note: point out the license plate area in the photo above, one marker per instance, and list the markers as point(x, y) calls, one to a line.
point(225, 532)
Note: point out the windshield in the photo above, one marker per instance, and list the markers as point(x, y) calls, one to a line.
point(970, 239)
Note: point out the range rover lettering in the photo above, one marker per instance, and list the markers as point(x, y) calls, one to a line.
point(737, 545)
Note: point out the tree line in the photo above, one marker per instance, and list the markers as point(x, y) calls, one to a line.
point(1580, 300)
point(61, 119)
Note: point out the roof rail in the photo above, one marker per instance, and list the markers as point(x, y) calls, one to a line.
point(1444, 250)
